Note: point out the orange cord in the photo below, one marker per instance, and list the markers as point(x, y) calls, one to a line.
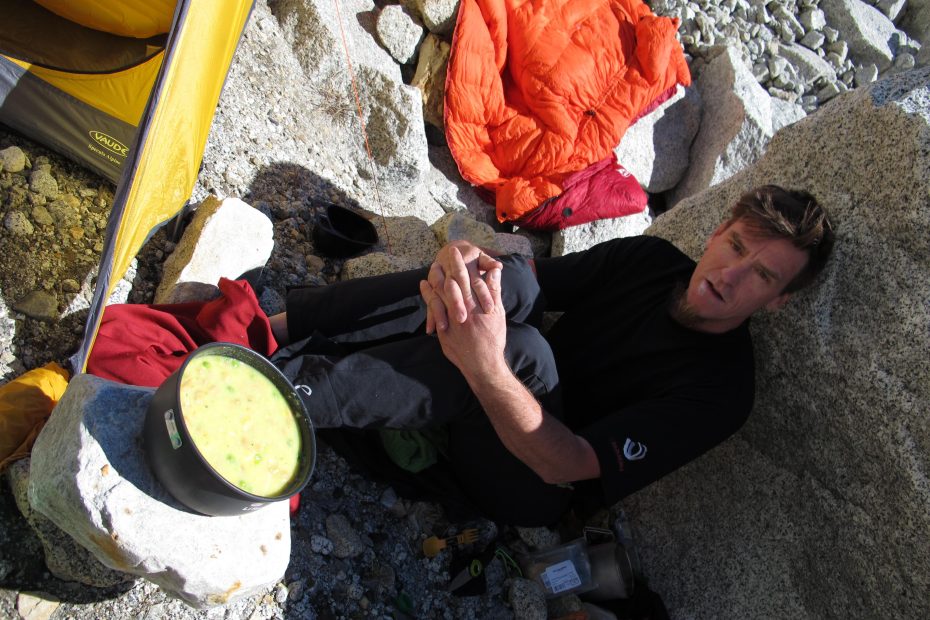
point(361, 120)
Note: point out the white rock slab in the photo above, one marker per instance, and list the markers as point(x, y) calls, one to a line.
point(916, 22)
point(225, 238)
point(89, 477)
point(409, 238)
point(64, 557)
point(458, 225)
point(866, 30)
point(655, 148)
point(438, 15)
point(809, 66)
point(583, 236)
point(509, 243)
point(736, 125)
point(400, 32)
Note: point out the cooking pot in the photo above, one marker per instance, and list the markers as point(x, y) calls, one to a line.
point(182, 469)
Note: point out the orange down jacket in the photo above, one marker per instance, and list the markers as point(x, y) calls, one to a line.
point(539, 89)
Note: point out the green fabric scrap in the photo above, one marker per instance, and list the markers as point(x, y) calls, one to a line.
point(412, 450)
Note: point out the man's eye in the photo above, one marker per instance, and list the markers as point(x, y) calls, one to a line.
point(764, 275)
point(736, 247)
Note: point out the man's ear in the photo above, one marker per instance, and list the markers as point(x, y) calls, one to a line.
point(778, 302)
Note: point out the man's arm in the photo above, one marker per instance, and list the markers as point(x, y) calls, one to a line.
point(543, 443)
point(476, 346)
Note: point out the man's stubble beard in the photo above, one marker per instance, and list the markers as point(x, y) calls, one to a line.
point(680, 310)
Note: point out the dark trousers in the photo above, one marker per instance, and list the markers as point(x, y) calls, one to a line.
point(361, 359)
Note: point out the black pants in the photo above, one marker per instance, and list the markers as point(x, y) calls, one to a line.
point(361, 359)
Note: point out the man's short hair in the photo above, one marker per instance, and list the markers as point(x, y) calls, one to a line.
point(774, 212)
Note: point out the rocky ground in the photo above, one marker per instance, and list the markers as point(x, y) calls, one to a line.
point(54, 216)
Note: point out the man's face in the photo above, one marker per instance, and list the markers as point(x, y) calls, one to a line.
point(738, 274)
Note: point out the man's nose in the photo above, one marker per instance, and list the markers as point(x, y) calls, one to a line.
point(732, 274)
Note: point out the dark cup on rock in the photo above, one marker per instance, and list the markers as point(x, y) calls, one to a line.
point(342, 232)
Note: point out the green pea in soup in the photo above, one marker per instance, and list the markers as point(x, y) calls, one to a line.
point(241, 424)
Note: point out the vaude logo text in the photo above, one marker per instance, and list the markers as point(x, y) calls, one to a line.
point(109, 142)
point(633, 450)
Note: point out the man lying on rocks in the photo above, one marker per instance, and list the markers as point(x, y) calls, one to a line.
point(649, 366)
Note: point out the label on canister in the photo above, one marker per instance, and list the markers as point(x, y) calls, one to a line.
point(172, 427)
point(561, 577)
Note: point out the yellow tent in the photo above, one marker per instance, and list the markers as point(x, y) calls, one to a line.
point(127, 88)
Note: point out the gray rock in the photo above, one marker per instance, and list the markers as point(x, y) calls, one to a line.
point(18, 223)
point(826, 480)
point(321, 544)
point(39, 305)
point(784, 114)
point(527, 599)
point(891, 8)
point(376, 264)
point(570, 605)
point(394, 125)
point(583, 236)
point(380, 578)
point(438, 15)
point(430, 78)
point(904, 62)
point(840, 48)
point(539, 538)
point(508, 243)
point(347, 543)
point(65, 213)
point(916, 22)
point(64, 557)
point(736, 125)
point(407, 238)
point(12, 159)
point(864, 28)
point(761, 72)
point(290, 85)
point(828, 92)
point(450, 192)
point(809, 66)
point(789, 26)
point(203, 254)
point(813, 40)
point(43, 183)
point(312, 28)
point(655, 147)
point(89, 477)
point(399, 32)
point(866, 75)
point(36, 605)
point(41, 216)
point(454, 226)
point(812, 19)
point(70, 285)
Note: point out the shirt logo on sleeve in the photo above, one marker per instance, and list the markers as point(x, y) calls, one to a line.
point(633, 450)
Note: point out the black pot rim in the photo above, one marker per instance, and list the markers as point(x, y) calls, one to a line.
point(262, 365)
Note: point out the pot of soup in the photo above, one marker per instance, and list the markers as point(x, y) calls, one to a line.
point(227, 433)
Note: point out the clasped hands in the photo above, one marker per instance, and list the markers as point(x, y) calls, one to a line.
point(464, 308)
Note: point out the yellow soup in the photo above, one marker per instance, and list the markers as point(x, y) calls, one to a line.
point(241, 424)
